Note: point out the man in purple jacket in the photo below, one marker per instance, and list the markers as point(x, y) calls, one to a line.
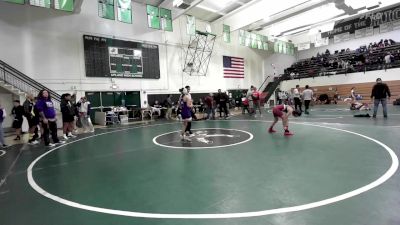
point(48, 118)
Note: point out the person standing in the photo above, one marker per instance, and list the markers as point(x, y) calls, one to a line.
point(245, 103)
point(380, 93)
point(296, 98)
point(169, 104)
point(223, 100)
point(307, 97)
point(18, 113)
point(186, 113)
point(353, 94)
point(68, 115)
point(84, 112)
point(47, 113)
point(193, 115)
point(3, 115)
point(33, 119)
point(249, 97)
point(256, 100)
point(210, 108)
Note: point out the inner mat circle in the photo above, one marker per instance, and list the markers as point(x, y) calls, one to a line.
point(124, 173)
point(204, 138)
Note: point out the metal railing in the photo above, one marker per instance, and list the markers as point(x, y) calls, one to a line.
point(21, 82)
point(264, 83)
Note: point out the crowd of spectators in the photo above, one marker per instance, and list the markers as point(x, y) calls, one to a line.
point(375, 56)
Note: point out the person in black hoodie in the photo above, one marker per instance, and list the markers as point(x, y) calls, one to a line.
point(68, 115)
point(18, 113)
point(380, 93)
point(222, 100)
point(32, 116)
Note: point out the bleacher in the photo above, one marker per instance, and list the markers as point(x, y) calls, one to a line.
point(370, 60)
point(363, 89)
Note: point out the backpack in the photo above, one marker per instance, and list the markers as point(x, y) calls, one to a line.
point(362, 115)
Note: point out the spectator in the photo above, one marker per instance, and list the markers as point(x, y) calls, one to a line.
point(307, 97)
point(245, 103)
point(169, 104)
point(386, 43)
point(223, 100)
point(256, 100)
point(250, 99)
point(84, 113)
point(380, 93)
point(3, 115)
point(292, 74)
point(327, 52)
point(388, 60)
point(348, 50)
point(68, 115)
point(31, 114)
point(210, 106)
point(47, 113)
point(353, 93)
point(18, 113)
point(296, 98)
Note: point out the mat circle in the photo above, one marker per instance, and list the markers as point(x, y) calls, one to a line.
point(386, 176)
point(204, 138)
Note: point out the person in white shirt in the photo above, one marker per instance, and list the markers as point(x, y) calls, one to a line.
point(307, 97)
point(388, 59)
point(296, 98)
point(250, 99)
point(84, 113)
point(353, 93)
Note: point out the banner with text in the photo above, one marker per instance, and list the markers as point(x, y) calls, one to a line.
point(385, 17)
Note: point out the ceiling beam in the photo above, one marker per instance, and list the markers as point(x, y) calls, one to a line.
point(161, 2)
point(293, 11)
point(179, 12)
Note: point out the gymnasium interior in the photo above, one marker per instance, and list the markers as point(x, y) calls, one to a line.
point(181, 112)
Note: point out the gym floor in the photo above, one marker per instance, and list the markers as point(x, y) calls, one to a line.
point(336, 169)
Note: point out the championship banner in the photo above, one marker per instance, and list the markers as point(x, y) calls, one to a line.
point(303, 46)
point(384, 17)
point(190, 25)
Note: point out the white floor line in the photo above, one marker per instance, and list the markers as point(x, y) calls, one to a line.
point(389, 173)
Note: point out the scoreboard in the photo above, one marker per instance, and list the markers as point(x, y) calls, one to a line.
point(107, 57)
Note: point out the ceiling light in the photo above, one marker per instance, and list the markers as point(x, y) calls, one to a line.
point(357, 4)
point(207, 8)
point(310, 17)
point(296, 30)
point(223, 3)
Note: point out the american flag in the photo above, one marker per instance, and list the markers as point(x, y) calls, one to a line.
point(233, 67)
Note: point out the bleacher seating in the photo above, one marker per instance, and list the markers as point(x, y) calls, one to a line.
point(342, 62)
point(363, 89)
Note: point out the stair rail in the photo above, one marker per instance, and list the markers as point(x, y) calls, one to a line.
point(265, 81)
point(271, 86)
point(21, 82)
